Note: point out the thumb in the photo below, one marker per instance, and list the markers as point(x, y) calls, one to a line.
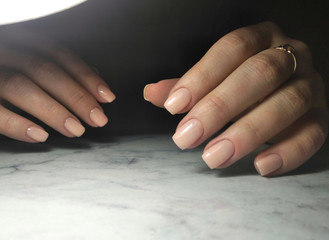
point(157, 93)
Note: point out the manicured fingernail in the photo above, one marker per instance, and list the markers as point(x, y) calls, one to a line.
point(106, 93)
point(188, 134)
point(37, 134)
point(74, 127)
point(98, 117)
point(178, 100)
point(268, 164)
point(144, 92)
point(218, 154)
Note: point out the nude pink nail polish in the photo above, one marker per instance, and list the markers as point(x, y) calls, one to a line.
point(74, 127)
point(268, 164)
point(188, 134)
point(106, 93)
point(144, 91)
point(178, 100)
point(37, 134)
point(98, 117)
point(218, 154)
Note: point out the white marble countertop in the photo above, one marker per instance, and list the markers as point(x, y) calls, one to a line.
point(143, 187)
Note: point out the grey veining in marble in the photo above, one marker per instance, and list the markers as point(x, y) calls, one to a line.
point(143, 187)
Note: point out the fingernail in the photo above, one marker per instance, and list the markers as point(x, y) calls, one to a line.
point(178, 100)
point(188, 134)
point(268, 164)
point(74, 127)
point(37, 134)
point(106, 93)
point(218, 154)
point(98, 117)
point(144, 92)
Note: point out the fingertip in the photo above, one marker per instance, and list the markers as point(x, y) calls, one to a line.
point(269, 164)
point(146, 91)
point(74, 127)
point(37, 134)
point(157, 93)
point(106, 94)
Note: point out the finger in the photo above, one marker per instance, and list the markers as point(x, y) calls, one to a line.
point(15, 126)
point(82, 73)
point(297, 144)
point(26, 95)
point(76, 67)
point(157, 93)
point(220, 61)
point(56, 82)
point(276, 113)
point(256, 78)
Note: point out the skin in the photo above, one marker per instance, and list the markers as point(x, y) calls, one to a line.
point(242, 78)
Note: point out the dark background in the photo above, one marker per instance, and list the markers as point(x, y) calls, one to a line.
point(134, 43)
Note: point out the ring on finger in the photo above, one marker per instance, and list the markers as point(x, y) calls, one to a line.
point(291, 50)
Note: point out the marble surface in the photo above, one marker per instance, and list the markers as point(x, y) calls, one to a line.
point(143, 187)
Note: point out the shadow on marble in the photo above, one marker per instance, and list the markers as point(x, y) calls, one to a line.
point(58, 142)
point(13, 146)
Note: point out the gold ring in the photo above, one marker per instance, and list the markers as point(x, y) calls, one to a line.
point(291, 50)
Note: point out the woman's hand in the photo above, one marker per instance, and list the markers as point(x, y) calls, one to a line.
point(50, 83)
point(245, 79)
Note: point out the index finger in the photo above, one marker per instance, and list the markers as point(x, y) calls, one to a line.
point(218, 63)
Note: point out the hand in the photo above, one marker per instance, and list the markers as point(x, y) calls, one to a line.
point(244, 78)
point(50, 83)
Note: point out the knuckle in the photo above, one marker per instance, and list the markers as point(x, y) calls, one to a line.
point(298, 98)
point(240, 39)
point(313, 141)
point(218, 106)
point(302, 147)
point(202, 74)
point(12, 83)
point(247, 39)
point(265, 67)
point(270, 25)
point(321, 133)
point(53, 108)
point(79, 97)
point(10, 125)
point(42, 67)
point(235, 38)
point(254, 130)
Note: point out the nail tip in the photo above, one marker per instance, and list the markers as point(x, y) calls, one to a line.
point(168, 108)
point(179, 145)
point(268, 165)
point(218, 154)
point(106, 94)
point(178, 101)
point(144, 93)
